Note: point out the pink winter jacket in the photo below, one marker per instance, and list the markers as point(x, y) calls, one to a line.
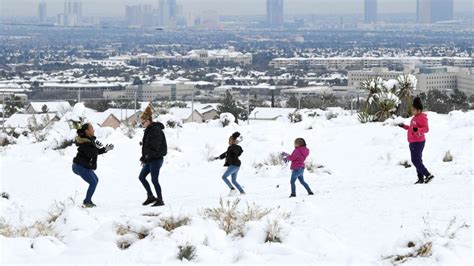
point(298, 157)
point(419, 121)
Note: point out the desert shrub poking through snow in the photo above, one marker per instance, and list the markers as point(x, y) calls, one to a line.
point(331, 115)
point(231, 219)
point(226, 119)
point(6, 140)
point(5, 195)
point(274, 159)
point(187, 252)
point(448, 157)
point(273, 232)
point(129, 235)
point(129, 129)
point(63, 144)
point(405, 164)
point(171, 124)
point(427, 244)
point(295, 117)
point(311, 166)
point(365, 117)
point(44, 227)
point(171, 222)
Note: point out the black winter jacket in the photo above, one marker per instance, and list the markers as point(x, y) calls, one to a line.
point(154, 145)
point(232, 155)
point(87, 152)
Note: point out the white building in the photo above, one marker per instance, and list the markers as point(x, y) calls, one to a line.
point(168, 89)
point(370, 62)
point(202, 56)
point(355, 78)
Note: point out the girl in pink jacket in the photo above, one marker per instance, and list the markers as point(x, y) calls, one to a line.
point(297, 159)
point(416, 137)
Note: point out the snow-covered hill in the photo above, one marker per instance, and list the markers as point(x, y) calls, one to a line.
point(366, 208)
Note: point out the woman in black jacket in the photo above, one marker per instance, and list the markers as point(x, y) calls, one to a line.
point(154, 149)
point(85, 162)
point(233, 163)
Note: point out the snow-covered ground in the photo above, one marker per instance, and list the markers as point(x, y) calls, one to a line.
point(365, 208)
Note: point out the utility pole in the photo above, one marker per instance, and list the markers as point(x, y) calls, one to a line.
point(3, 112)
point(136, 99)
point(192, 105)
point(79, 96)
point(299, 101)
point(248, 107)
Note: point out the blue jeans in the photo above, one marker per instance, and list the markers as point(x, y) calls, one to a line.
point(89, 176)
point(232, 171)
point(298, 174)
point(152, 167)
point(416, 151)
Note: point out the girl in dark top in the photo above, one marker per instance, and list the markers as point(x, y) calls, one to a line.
point(154, 149)
point(85, 162)
point(233, 163)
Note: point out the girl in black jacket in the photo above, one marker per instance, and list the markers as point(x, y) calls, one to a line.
point(154, 149)
point(233, 163)
point(85, 162)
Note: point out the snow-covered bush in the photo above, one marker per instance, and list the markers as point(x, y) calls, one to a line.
point(273, 232)
point(44, 227)
point(129, 129)
point(130, 233)
point(274, 159)
point(172, 222)
point(295, 117)
point(63, 144)
point(231, 219)
point(226, 119)
point(427, 243)
point(312, 166)
point(6, 140)
point(448, 157)
point(187, 252)
point(365, 117)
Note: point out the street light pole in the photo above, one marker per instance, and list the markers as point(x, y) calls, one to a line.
point(3, 112)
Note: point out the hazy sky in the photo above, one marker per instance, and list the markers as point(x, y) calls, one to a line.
point(224, 7)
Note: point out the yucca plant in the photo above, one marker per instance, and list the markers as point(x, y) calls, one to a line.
point(407, 85)
point(373, 86)
point(387, 104)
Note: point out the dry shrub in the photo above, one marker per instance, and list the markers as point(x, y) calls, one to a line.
point(424, 246)
point(171, 222)
point(273, 232)
point(405, 164)
point(231, 219)
point(448, 157)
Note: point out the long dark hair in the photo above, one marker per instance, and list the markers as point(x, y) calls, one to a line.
point(81, 132)
point(300, 142)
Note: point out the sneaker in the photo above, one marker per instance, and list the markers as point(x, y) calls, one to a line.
point(232, 192)
point(149, 200)
point(310, 193)
point(292, 195)
point(88, 205)
point(428, 179)
point(242, 193)
point(158, 203)
point(421, 180)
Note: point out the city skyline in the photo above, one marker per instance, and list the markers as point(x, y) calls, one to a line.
point(112, 8)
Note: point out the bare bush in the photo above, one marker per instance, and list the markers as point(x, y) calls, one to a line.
point(312, 166)
point(231, 219)
point(273, 232)
point(405, 164)
point(424, 246)
point(274, 159)
point(448, 157)
point(171, 222)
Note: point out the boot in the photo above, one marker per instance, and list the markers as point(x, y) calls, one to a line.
point(310, 193)
point(88, 205)
point(292, 195)
point(421, 180)
point(149, 200)
point(158, 203)
point(429, 178)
